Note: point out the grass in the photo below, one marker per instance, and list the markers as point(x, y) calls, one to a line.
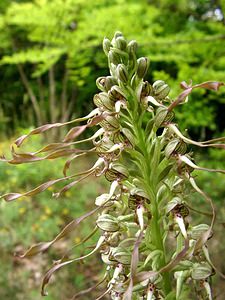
point(31, 220)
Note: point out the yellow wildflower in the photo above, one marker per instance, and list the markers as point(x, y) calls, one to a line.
point(22, 210)
point(48, 211)
point(65, 211)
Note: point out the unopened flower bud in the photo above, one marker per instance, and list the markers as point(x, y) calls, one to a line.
point(102, 100)
point(108, 223)
point(121, 43)
point(106, 45)
point(110, 123)
point(122, 73)
point(116, 93)
point(121, 255)
point(172, 204)
point(142, 66)
point(161, 89)
point(117, 34)
point(163, 115)
point(114, 57)
point(137, 197)
point(146, 89)
point(116, 171)
point(103, 199)
point(201, 271)
point(175, 146)
point(198, 230)
point(132, 46)
point(110, 81)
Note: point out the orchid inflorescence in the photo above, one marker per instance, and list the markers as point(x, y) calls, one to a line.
point(149, 249)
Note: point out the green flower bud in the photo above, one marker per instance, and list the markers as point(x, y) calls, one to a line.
point(129, 135)
point(117, 35)
point(116, 171)
point(132, 47)
point(125, 136)
point(114, 57)
point(108, 223)
point(142, 67)
point(146, 89)
point(197, 231)
point(106, 46)
point(116, 93)
point(201, 271)
point(103, 199)
point(110, 81)
point(137, 197)
point(110, 123)
point(163, 115)
point(121, 43)
point(122, 73)
point(172, 204)
point(102, 100)
point(175, 146)
point(176, 206)
point(121, 255)
point(183, 266)
point(103, 146)
point(161, 89)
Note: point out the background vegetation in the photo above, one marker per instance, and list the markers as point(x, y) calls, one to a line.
point(50, 57)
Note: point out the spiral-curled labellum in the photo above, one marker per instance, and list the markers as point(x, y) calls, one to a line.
point(100, 82)
point(106, 258)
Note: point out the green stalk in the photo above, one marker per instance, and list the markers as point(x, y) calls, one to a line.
point(156, 231)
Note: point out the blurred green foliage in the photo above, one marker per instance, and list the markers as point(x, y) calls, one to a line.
point(55, 46)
